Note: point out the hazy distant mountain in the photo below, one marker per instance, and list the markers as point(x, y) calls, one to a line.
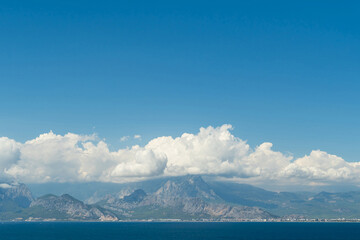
point(94, 191)
point(14, 197)
point(310, 205)
point(186, 197)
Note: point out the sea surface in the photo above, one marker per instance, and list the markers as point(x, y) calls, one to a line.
point(203, 231)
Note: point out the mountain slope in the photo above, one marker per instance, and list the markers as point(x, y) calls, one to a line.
point(309, 205)
point(188, 197)
point(68, 207)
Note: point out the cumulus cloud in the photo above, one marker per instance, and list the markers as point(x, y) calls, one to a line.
point(72, 157)
point(320, 165)
point(212, 151)
point(9, 152)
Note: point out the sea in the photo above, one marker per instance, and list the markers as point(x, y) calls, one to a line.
point(179, 230)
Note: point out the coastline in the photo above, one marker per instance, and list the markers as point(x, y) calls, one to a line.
point(183, 221)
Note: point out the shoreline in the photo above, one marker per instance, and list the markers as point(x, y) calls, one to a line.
point(183, 221)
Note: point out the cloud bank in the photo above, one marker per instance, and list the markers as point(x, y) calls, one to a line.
point(211, 151)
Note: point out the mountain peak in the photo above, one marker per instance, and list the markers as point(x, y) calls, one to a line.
point(195, 179)
point(18, 193)
point(190, 186)
point(137, 196)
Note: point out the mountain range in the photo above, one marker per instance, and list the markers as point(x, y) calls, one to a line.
point(176, 198)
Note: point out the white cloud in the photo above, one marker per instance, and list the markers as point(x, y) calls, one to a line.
point(137, 136)
point(73, 157)
point(320, 165)
point(124, 138)
point(9, 152)
point(212, 151)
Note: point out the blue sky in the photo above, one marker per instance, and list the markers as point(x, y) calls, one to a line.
point(281, 71)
